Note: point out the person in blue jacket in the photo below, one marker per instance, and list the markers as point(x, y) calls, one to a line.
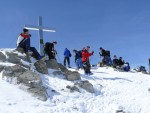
point(67, 56)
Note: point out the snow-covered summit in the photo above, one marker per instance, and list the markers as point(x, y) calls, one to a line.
point(127, 91)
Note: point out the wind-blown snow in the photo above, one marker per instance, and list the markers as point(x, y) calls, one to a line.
point(128, 91)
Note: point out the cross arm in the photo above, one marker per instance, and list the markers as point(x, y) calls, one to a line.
point(32, 27)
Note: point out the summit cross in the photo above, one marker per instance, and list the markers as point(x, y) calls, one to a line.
point(40, 28)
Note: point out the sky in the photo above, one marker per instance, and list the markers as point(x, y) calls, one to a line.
point(121, 26)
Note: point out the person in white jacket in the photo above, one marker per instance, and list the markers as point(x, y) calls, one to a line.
point(24, 43)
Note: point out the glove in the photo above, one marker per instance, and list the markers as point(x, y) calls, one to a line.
point(92, 52)
point(30, 35)
point(100, 54)
point(54, 51)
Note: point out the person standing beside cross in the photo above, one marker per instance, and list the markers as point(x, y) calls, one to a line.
point(24, 43)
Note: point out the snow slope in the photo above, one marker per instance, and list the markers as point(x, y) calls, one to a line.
point(113, 90)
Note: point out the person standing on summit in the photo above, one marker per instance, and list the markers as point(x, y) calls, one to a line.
point(86, 61)
point(50, 50)
point(67, 56)
point(24, 43)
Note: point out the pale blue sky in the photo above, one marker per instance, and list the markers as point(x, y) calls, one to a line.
point(122, 26)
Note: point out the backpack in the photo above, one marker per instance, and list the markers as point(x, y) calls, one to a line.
point(70, 54)
point(46, 47)
point(79, 54)
point(107, 53)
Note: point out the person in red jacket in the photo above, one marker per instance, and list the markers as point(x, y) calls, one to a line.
point(85, 60)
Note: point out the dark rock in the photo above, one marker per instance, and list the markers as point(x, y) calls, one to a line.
point(2, 57)
point(72, 75)
point(73, 88)
point(13, 58)
point(41, 67)
point(20, 50)
point(57, 73)
point(85, 85)
point(13, 71)
point(40, 92)
point(62, 68)
point(52, 64)
point(1, 68)
point(28, 78)
point(33, 81)
point(16, 59)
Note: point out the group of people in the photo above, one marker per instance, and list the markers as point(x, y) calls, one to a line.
point(116, 63)
point(81, 56)
point(81, 59)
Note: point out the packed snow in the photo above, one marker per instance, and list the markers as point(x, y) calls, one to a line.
point(127, 91)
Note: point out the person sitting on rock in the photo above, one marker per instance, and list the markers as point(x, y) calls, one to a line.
point(50, 50)
point(24, 43)
point(120, 62)
point(115, 61)
point(86, 61)
point(126, 67)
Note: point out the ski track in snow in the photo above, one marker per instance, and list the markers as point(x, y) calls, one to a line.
point(113, 91)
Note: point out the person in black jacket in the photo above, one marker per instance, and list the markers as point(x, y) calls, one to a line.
point(115, 61)
point(50, 50)
point(120, 62)
point(106, 57)
point(78, 59)
point(103, 52)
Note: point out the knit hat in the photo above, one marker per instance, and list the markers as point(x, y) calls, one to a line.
point(88, 47)
point(25, 30)
point(74, 50)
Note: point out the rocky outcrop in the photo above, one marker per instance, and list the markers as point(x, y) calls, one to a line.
point(13, 58)
point(1, 68)
point(2, 57)
point(62, 68)
point(85, 85)
point(58, 73)
point(52, 64)
point(39, 92)
point(13, 71)
point(41, 67)
point(20, 71)
point(28, 78)
point(16, 58)
point(20, 50)
point(70, 75)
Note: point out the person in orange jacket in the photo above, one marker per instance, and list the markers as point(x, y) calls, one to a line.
point(86, 61)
